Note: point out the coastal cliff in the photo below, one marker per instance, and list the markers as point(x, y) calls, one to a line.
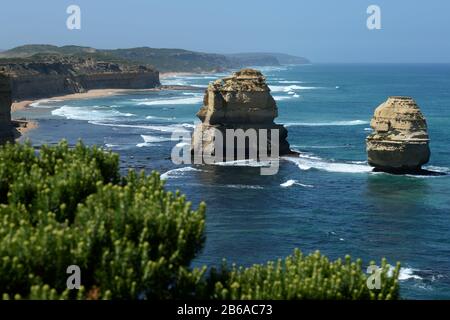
point(52, 76)
point(400, 142)
point(242, 101)
point(6, 128)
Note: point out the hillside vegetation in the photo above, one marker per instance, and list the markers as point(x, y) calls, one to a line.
point(164, 60)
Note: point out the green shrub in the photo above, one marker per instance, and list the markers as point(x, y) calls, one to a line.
point(65, 207)
point(62, 206)
point(302, 277)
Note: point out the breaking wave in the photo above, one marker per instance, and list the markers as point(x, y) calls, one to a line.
point(169, 129)
point(44, 103)
point(331, 123)
point(307, 162)
point(174, 173)
point(289, 81)
point(290, 88)
point(173, 101)
point(93, 113)
point(290, 183)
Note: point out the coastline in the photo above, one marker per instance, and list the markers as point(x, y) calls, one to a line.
point(96, 93)
point(23, 125)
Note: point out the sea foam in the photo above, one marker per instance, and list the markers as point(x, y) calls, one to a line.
point(94, 113)
point(291, 183)
point(177, 172)
point(330, 123)
point(173, 101)
point(305, 162)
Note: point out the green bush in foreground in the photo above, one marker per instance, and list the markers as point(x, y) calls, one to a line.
point(303, 277)
point(132, 239)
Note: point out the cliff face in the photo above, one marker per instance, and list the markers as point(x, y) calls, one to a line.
point(242, 101)
point(64, 75)
point(6, 128)
point(400, 141)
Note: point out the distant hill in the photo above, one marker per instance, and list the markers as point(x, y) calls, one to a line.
point(175, 59)
point(164, 60)
point(267, 58)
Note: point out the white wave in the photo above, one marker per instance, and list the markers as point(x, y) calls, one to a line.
point(405, 273)
point(42, 103)
point(290, 183)
point(437, 169)
point(245, 163)
point(307, 163)
point(408, 273)
point(331, 123)
point(94, 113)
point(290, 88)
point(177, 172)
point(110, 145)
point(317, 147)
point(243, 186)
point(171, 128)
point(368, 129)
point(153, 139)
point(282, 98)
point(173, 101)
point(290, 81)
point(195, 94)
point(309, 156)
point(160, 118)
point(359, 162)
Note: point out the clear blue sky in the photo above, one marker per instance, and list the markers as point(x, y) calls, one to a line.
point(322, 30)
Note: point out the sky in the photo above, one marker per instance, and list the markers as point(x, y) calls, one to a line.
point(321, 30)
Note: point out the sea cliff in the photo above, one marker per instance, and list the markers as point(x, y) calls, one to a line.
point(6, 128)
point(48, 77)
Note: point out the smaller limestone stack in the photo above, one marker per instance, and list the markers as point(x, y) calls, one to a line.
point(399, 142)
point(6, 128)
point(241, 101)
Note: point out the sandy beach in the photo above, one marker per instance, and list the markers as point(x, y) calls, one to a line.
point(97, 93)
point(24, 125)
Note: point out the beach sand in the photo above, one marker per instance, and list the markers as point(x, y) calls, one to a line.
point(24, 125)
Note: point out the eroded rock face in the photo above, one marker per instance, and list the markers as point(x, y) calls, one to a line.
point(6, 128)
point(399, 142)
point(241, 101)
point(66, 75)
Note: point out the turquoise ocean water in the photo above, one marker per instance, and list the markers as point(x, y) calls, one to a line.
point(327, 199)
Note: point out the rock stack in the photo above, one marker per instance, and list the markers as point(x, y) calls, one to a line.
point(241, 101)
point(6, 128)
point(399, 142)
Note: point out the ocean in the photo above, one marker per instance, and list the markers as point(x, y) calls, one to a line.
point(327, 199)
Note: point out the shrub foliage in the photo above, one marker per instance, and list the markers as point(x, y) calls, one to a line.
point(132, 239)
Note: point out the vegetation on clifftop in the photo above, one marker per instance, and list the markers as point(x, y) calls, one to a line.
point(164, 60)
point(132, 239)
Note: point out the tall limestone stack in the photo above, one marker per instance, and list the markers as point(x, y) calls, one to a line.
point(6, 128)
point(241, 101)
point(399, 142)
